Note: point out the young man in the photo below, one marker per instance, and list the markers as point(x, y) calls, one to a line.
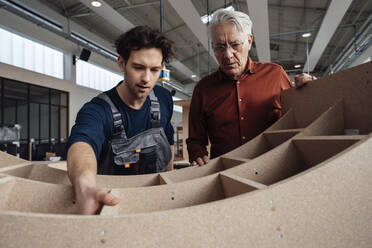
point(125, 130)
point(241, 99)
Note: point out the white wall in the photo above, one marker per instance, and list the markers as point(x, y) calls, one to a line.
point(78, 97)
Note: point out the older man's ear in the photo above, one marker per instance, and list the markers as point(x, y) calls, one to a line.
point(302, 79)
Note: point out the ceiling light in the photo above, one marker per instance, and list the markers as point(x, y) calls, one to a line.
point(305, 35)
point(297, 66)
point(96, 4)
point(193, 76)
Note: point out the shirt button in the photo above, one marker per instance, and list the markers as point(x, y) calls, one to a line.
point(243, 137)
point(242, 118)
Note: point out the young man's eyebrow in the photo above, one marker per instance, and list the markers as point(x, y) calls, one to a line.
point(141, 65)
point(138, 64)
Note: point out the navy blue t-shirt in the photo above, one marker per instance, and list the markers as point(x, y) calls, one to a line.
point(94, 122)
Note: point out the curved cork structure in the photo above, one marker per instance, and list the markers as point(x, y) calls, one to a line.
point(304, 182)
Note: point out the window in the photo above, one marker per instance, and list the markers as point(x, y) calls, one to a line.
point(18, 51)
point(95, 77)
point(41, 112)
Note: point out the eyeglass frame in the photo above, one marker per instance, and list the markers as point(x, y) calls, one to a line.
point(224, 47)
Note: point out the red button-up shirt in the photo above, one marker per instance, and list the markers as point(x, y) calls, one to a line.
point(231, 112)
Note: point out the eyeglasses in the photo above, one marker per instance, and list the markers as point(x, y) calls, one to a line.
point(235, 46)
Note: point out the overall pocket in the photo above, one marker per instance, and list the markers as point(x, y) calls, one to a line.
point(148, 158)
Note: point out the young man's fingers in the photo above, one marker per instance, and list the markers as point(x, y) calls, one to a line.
point(106, 198)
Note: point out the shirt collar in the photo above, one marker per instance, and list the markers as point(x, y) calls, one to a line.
point(250, 66)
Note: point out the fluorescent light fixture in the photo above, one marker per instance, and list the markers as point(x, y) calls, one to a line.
point(305, 35)
point(297, 66)
point(96, 4)
point(193, 76)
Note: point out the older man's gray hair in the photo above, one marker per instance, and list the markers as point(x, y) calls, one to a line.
point(241, 21)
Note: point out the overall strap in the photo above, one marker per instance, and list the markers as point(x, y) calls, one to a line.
point(118, 125)
point(155, 110)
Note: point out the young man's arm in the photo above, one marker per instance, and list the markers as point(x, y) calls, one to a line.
point(82, 170)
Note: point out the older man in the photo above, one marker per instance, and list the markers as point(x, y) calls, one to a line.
point(241, 99)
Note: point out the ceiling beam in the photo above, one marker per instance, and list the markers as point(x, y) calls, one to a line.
point(186, 10)
point(131, 6)
point(258, 12)
point(331, 20)
point(110, 15)
point(118, 21)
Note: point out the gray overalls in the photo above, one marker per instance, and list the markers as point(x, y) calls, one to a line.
point(146, 152)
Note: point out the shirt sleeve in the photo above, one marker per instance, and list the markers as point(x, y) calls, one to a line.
point(198, 137)
point(89, 127)
point(285, 81)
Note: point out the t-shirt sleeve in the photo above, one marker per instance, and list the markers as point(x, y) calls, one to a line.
point(89, 127)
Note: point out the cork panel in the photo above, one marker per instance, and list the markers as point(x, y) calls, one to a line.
point(164, 179)
point(353, 86)
point(179, 195)
point(104, 181)
point(6, 185)
point(252, 149)
point(277, 137)
point(44, 173)
point(287, 121)
point(7, 160)
point(214, 166)
point(233, 185)
point(331, 206)
point(282, 162)
point(18, 171)
point(319, 149)
point(331, 122)
point(36, 197)
point(294, 157)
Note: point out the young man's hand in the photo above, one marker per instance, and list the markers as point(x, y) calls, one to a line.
point(91, 200)
point(200, 161)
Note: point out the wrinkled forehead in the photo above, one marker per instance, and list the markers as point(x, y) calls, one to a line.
point(226, 32)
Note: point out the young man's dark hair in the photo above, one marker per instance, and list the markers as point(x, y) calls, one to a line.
point(144, 37)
